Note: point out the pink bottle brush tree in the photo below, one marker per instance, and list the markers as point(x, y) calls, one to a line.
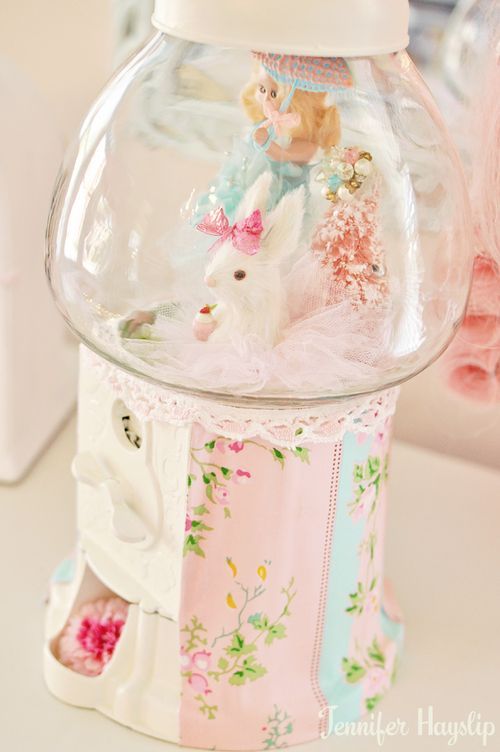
point(348, 247)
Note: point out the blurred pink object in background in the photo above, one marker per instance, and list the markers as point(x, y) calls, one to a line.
point(472, 364)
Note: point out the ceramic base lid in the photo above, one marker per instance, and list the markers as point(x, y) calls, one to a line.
point(318, 27)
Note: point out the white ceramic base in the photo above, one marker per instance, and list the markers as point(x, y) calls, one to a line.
point(140, 686)
point(143, 482)
point(131, 499)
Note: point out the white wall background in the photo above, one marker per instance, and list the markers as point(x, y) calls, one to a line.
point(66, 46)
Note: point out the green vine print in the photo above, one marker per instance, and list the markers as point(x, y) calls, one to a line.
point(368, 480)
point(247, 594)
point(205, 709)
point(370, 668)
point(240, 662)
point(195, 639)
point(277, 727)
point(233, 655)
point(218, 480)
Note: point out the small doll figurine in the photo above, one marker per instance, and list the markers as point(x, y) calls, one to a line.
point(287, 102)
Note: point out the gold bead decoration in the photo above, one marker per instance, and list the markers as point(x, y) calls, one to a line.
point(352, 176)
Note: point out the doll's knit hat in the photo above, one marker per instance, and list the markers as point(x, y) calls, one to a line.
point(307, 73)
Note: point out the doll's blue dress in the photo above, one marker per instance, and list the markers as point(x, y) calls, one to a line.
point(240, 170)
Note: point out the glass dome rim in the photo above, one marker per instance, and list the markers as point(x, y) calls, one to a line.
point(259, 400)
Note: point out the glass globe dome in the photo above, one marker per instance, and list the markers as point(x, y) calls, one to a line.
point(262, 228)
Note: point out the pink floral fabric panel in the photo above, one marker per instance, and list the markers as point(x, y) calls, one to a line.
point(256, 551)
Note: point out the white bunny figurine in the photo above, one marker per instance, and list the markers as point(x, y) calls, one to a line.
point(244, 273)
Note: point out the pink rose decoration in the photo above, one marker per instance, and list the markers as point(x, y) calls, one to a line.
point(89, 639)
point(351, 155)
point(371, 605)
point(201, 660)
point(361, 438)
point(237, 446)
point(369, 496)
point(185, 660)
point(359, 511)
point(376, 681)
point(241, 476)
point(364, 505)
point(188, 524)
point(221, 495)
point(199, 684)
point(382, 435)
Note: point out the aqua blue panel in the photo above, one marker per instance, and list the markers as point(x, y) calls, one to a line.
point(344, 569)
point(65, 571)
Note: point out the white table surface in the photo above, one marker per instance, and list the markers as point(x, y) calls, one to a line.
point(443, 555)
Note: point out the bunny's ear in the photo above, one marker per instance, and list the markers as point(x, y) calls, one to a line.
point(285, 225)
point(256, 197)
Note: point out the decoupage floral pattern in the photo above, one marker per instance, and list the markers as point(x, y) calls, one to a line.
point(371, 667)
point(252, 634)
point(278, 726)
point(220, 480)
point(369, 664)
point(237, 654)
point(368, 479)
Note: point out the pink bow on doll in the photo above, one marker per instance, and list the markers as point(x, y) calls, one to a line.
point(280, 121)
point(245, 235)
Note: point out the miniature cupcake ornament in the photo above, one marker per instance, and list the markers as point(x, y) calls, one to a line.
point(252, 267)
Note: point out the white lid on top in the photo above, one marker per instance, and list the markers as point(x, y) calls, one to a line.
point(328, 28)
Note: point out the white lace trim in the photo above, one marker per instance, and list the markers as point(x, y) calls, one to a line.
point(283, 427)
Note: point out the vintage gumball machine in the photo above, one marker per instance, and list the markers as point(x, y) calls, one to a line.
point(261, 232)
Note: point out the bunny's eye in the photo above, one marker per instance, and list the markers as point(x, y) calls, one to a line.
point(274, 94)
point(262, 89)
point(239, 274)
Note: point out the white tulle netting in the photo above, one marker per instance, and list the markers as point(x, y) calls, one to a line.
point(282, 427)
point(323, 353)
point(334, 332)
